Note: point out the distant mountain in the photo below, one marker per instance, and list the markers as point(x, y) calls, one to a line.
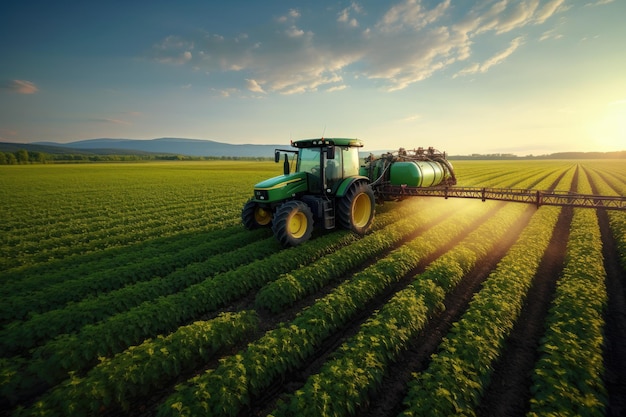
point(60, 149)
point(175, 146)
point(209, 148)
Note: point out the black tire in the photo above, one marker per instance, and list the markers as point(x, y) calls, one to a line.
point(356, 209)
point(293, 223)
point(254, 216)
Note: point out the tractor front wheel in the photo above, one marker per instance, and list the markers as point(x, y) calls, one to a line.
point(293, 223)
point(356, 208)
point(254, 216)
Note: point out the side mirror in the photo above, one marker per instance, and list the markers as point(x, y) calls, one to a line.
point(330, 152)
point(276, 156)
point(285, 164)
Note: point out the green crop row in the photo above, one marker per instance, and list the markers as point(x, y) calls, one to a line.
point(42, 327)
point(458, 373)
point(567, 379)
point(617, 219)
point(81, 242)
point(359, 365)
point(295, 285)
point(159, 257)
point(511, 174)
point(51, 212)
point(32, 304)
point(71, 352)
point(228, 388)
point(77, 351)
point(146, 367)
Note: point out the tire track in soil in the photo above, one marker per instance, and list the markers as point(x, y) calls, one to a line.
point(387, 401)
point(263, 405)
point(614, 348)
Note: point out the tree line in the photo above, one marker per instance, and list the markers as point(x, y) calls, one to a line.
point(23, 157)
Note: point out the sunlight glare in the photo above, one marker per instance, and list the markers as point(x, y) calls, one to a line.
point(608, 133)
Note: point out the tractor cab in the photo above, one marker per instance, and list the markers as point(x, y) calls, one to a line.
point(327, 162)
point(326, 173)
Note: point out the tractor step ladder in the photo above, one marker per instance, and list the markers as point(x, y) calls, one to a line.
point(329, 214)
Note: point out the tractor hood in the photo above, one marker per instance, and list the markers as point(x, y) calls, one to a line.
point(280, 188)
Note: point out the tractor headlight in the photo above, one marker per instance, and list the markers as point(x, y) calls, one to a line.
point(261, 194)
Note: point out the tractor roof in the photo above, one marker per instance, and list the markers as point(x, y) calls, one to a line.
point(311, 143)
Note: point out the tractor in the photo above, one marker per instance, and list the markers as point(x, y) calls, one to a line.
point(330, 188)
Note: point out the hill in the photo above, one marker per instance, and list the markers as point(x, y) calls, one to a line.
point(209, 148)
point(174, 146)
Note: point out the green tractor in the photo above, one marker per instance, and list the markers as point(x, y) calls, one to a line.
point(325, 190)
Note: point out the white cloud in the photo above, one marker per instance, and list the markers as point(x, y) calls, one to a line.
point(294, 32)
point(336, 88)
point(292, 14)
point(494, 60)
point(112, 121)
point(402, 45)
point(599, 3)
point(505, 15)
point(226, 92)
point(549, 9)
point(345, 15)
point(412, 118)
point(411, 14)
point(550, 34)
point(21, 86)
point(254, 86)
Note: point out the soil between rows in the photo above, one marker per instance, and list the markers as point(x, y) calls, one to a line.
point(615, 319)
point(508, 393)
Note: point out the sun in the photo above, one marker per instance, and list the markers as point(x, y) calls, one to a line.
point(608, 132)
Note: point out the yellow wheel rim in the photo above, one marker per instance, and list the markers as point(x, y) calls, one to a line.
point(262, 216)
point(361, 210)
point(297, 225)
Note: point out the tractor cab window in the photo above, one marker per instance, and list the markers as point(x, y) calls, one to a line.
point(309, 161)
point(351, 161)
point(333, 171)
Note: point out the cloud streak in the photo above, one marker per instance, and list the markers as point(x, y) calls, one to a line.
point(21, 87)
point(394, 47)
point(494, 60)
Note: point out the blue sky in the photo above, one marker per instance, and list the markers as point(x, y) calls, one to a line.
point(523, 77)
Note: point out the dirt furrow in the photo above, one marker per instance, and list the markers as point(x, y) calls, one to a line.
point(509, 391)
point(615, 319)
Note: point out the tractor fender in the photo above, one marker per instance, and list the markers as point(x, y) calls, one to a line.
point(347, 183)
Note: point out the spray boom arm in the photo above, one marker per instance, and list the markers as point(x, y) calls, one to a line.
point(537, 197)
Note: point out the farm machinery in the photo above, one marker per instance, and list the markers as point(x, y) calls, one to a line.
point(329, 187)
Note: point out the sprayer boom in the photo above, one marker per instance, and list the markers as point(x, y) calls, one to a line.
point(537, 197)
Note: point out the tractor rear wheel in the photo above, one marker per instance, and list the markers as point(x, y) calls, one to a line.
point(254, 216)
point(356, 208)
point(293, 223)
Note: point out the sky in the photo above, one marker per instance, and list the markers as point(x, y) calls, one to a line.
point(521, 77)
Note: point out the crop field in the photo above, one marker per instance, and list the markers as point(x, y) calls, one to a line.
point(133, 289)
